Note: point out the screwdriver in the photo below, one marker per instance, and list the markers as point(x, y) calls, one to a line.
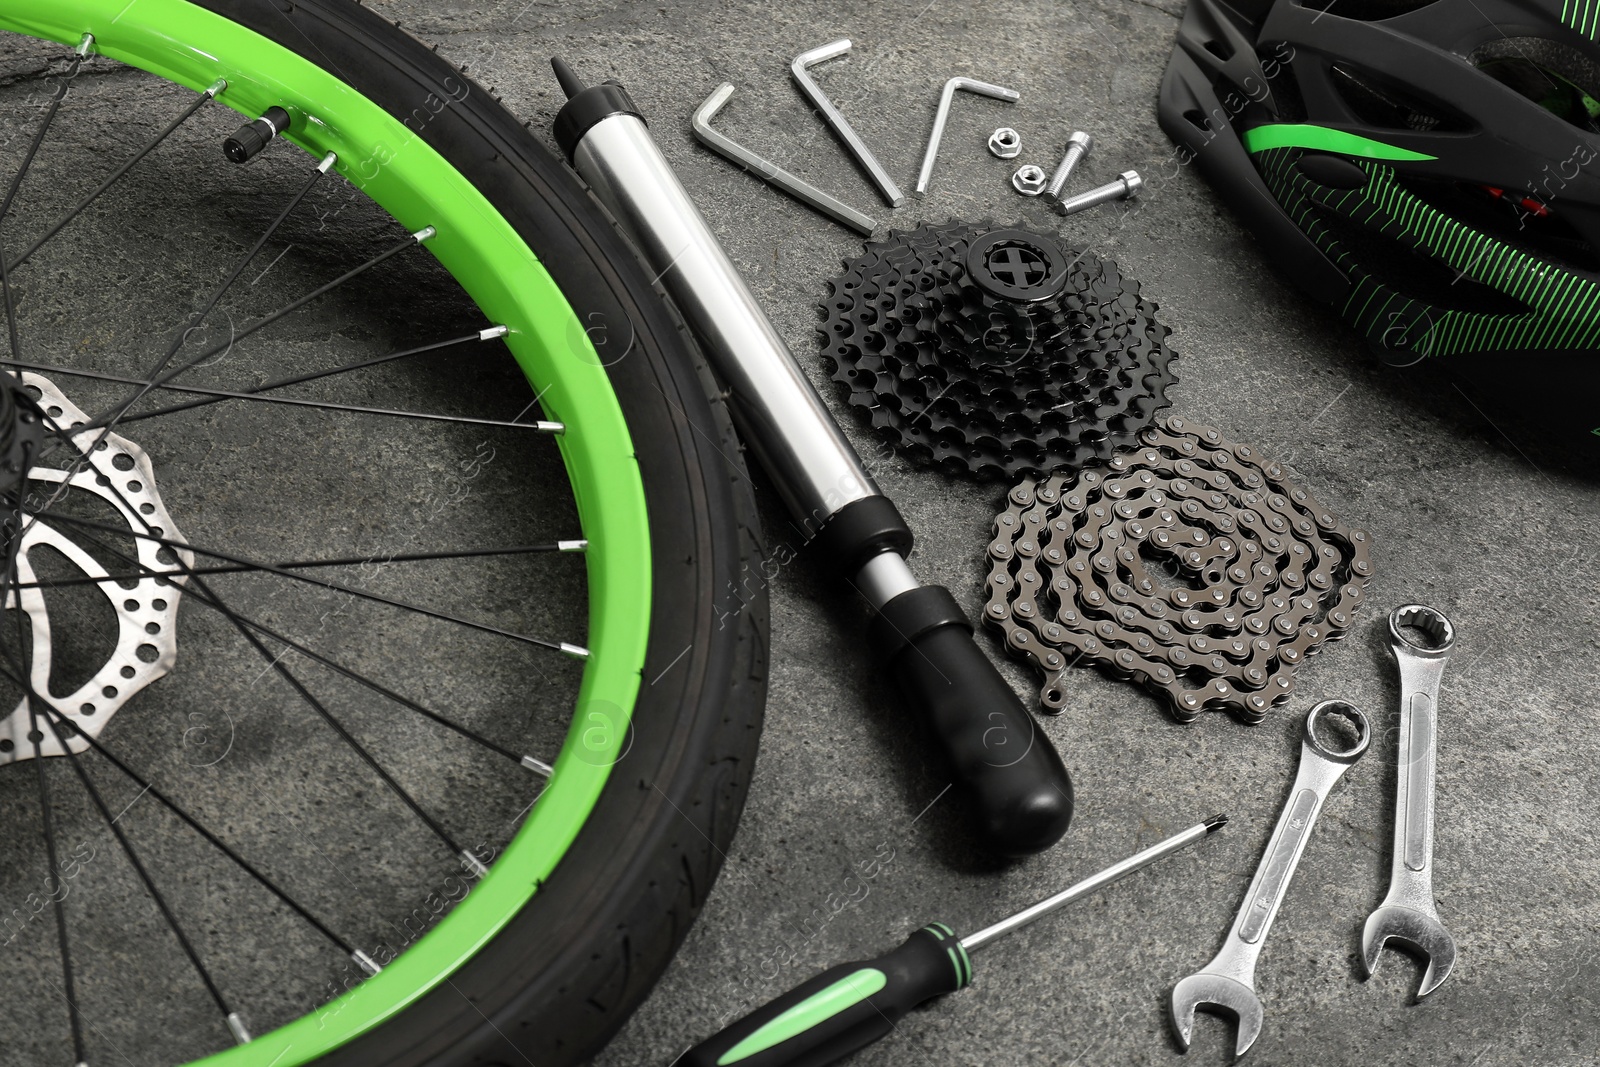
point(850, 1006)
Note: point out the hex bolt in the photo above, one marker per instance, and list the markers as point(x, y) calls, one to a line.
point(1078, 146)
point(1126, 186)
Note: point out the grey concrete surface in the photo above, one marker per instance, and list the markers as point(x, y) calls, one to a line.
point(1461, 518)
point(849, 840)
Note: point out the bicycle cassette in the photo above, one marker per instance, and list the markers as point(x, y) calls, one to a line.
point(996, 351)
point(1189, 564)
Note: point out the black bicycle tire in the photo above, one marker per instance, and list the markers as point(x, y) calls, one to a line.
point(567, 972)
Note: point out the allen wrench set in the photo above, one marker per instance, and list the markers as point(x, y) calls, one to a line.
point(1029, 180)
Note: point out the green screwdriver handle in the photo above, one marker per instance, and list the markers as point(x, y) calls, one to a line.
point(842, 1009)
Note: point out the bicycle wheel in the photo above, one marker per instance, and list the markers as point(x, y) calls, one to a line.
point(387, 672)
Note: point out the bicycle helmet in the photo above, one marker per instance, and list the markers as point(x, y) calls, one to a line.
point(1431, 168)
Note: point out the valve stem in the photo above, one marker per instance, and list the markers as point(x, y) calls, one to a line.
point(255, 135)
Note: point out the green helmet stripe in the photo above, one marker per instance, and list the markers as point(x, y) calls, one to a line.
point(1323, 139)
point(1563, 305)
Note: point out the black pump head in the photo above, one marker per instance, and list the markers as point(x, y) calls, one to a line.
point(586, 106)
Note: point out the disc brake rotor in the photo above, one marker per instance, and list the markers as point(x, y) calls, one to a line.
point(1190, 565)
point(996, 351)
point(119, 473)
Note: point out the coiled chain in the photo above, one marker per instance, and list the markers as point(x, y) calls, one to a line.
point(1188, 564)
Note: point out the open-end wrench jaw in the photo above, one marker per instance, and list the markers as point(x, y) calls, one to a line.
point(1216, 992)
point(1418, 933)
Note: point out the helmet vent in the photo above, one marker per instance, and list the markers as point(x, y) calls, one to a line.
point(1405, 269)
point(1553, 75)
point(1366, 10)
point(1378, 103)
point(1504, 216)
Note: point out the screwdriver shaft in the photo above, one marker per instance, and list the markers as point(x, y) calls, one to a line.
point(1093, 883)
point(849, 1006)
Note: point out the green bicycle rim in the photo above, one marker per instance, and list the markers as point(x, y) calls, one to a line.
point(190, 46)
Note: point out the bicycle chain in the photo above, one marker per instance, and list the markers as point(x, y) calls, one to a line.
point(995, 350)
point(1258, 574)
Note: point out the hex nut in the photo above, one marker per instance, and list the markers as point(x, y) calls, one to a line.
point(1029, 180)
point(1005, 143)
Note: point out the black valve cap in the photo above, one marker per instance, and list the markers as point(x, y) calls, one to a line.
point(254, 135)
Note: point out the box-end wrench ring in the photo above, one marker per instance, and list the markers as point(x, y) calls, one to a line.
point(1407, 914)
point(1228, 981)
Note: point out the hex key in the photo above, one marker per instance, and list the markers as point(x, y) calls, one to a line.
point(971, 85)
point(771, 172)
point(830, 114)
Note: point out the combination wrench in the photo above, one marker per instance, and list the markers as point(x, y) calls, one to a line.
point(1407, 914)
point(1228, 981)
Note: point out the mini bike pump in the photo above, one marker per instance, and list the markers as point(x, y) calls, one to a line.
point(1013, 781)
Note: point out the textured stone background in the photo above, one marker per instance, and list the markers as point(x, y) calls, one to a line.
point(845, 845)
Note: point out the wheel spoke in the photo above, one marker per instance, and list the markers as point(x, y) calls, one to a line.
point(68, 982)
point(222, 846)
point(112, 822)
point(576, 651)
point(11, 195)
point(38, 138)
point(471, 862)
point(355, 746)
point(104, 425)
point(348, 561)
point(78, 208)
point(10, 306)
point(532, 763)
point(541, 426)
point(216, 350)
point(482, 335)
point(349, 739)
point(69, 987)
point(276, 663)
point(46, 809)
point(22, 675)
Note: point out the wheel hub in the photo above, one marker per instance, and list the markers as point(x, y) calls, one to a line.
point(120, 473)
point(21, 431)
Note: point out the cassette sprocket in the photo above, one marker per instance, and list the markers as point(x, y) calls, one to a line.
point(996, 351)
